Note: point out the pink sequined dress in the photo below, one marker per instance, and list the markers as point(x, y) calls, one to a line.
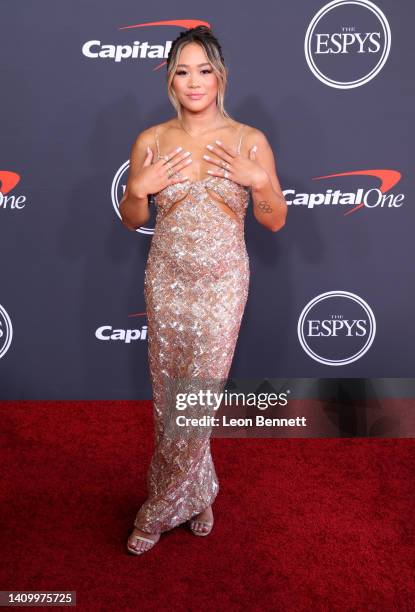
point(196, 286)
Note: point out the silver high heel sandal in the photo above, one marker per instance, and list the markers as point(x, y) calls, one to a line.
point(134, 551)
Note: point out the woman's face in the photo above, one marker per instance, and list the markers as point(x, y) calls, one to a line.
point(194, 75)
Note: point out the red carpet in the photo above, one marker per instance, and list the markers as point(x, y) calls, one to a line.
point(323, 524)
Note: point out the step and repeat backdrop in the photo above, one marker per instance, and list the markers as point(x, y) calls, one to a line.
point(330, 84)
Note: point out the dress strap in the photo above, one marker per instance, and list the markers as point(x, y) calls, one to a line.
point(240, 139)
point(157, 142)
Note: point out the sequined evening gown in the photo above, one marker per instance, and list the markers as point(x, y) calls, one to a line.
point(196, 286)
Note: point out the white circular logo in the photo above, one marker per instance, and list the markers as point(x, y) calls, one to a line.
point(117, 192)
point(6, 331)
point(347, 43)
point(336, 328)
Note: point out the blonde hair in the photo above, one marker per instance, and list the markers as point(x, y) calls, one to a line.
point(205, 38)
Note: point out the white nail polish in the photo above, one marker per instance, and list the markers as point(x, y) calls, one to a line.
point(179, 149)
point(209, 147)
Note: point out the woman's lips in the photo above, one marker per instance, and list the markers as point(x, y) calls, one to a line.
point(195, 96)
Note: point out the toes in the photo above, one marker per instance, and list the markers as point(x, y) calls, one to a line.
point(199, 526)
point(140, 546)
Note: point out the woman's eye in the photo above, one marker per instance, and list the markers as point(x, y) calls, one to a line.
point(206, 70)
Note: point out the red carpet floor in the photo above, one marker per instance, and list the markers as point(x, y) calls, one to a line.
point(318, 524)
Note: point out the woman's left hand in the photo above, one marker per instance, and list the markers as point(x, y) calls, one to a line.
point(243, 170)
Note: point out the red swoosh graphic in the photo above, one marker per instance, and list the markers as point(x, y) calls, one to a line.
point(388, 179)
point(8, 181)
point(184, 23)
point(181, 23)
point(138, 314)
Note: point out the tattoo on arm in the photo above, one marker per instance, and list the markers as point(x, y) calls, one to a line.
point(264, 206)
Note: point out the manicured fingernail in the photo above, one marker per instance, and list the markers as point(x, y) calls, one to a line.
point(218, 142)
point(206, 157)
point(210, 171)
point(254, 148)
point(179, 148)
point(187, 154)
point(209, 147)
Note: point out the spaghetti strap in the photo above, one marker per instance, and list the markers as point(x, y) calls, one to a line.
point(157, 142)
point(240, 139)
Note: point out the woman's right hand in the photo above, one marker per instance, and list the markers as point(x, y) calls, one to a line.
point(152, 178)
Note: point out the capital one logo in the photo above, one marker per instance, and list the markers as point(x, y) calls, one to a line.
point(6, 331)
point(8, 181)
point(349, 200)
point(108, 332)
point(138, 50)
point(347, 43)
point(336, 328)
point(118, 186)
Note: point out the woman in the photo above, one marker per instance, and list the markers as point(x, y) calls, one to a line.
point(202, 166)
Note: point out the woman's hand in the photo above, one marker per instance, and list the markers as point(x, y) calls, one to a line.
point(152, 178)
point(243, 170)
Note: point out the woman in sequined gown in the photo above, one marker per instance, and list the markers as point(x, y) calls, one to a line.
point(196, 288)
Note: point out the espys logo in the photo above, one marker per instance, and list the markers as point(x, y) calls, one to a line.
point(118, 187)
point(6, 331)
point(351, 201)
point(336, 328)
point(8, 181)
point(347, 43)
point(95, 49)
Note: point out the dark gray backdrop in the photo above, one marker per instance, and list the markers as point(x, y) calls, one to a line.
point(68, 122)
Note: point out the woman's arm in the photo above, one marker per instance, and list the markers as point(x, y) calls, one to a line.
point(269, 205)
point(134, 209)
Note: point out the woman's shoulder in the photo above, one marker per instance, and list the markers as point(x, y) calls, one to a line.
point(147, 138)
point(148, 134)
point(250, 132)
point(251, 136)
